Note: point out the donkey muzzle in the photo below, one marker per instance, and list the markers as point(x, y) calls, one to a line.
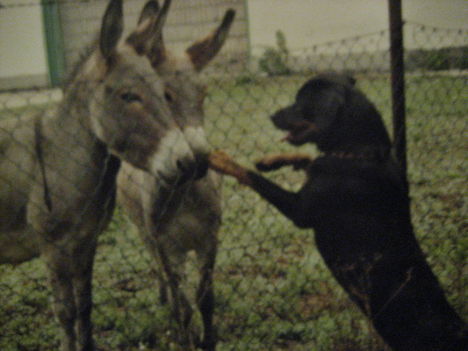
point(190, 170)
point(176, 160)
point(197, 141)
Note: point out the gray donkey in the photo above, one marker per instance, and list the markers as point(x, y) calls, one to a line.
point(173, 221)
point(58, 170)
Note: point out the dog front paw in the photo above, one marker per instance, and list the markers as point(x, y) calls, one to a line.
point(271, 163)
point(223, 163)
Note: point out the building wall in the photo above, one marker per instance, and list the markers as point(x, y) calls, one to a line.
point(23, 60)
point(306, 23)
point(188, 21)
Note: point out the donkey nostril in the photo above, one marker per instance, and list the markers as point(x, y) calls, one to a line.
point(186, 167)
point(180, 165)
point(202, 168)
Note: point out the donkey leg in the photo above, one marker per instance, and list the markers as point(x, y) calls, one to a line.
point(206, 297)
point(82, 284)
point(162, 282)
point(63, 295)
point(173, 265)
point(163, 291)
point(185, 315)
point(70, 272)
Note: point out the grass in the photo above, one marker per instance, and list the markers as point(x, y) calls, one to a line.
point(273, 290)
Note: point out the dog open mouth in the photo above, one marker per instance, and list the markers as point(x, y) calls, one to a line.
point(300, 132)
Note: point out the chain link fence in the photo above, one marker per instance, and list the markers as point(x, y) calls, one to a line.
point(272, 290)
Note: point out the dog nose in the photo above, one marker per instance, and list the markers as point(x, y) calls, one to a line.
point(283, 117)
point(277, 117)
point(274, 119)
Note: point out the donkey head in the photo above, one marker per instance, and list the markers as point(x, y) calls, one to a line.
point(129, 109)
point(183, 89)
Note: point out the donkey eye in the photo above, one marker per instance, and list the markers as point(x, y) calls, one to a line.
point(169, 95)
point(130, 97)
point(203, 92)
point(202, 97)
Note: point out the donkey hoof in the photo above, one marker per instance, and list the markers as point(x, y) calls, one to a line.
point(208, 343)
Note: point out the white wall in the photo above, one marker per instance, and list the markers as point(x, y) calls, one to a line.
point(305, 23)
point(22, 52)
point(437, 13)
point(309, 22)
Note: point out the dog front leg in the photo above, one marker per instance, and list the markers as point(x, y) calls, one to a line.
point(273, 162)
point(287, 202)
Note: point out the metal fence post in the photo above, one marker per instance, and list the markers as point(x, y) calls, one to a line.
point(54, 41)
point(398, 83)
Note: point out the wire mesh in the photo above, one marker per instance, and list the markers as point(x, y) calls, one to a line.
point(272, 290)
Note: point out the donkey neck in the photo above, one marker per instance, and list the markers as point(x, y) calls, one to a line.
point(73, 152)
point(68, 126)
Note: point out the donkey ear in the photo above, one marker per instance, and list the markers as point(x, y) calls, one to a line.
point(150, 10)
point(111, 28)
point(147, 38)
point(157, 52)
point(203, 51)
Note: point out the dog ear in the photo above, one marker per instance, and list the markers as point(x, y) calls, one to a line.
point(348, 119)
point(326, 105)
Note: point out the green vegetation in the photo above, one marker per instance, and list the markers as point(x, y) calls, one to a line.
point(438, 59)
point(274, 61)
point(273, 290)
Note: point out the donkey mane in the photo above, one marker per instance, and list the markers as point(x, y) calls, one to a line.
point(83, 57)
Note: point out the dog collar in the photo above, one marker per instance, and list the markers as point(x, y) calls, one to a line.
point(369, 156)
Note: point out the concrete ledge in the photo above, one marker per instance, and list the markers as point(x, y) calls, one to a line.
point(24, 82)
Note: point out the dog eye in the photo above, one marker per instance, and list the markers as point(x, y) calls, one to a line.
point(130, 97)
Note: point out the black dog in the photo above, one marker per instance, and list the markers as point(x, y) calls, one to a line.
point(356, 200)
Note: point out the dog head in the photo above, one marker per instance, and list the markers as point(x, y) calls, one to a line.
point(330, 112)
